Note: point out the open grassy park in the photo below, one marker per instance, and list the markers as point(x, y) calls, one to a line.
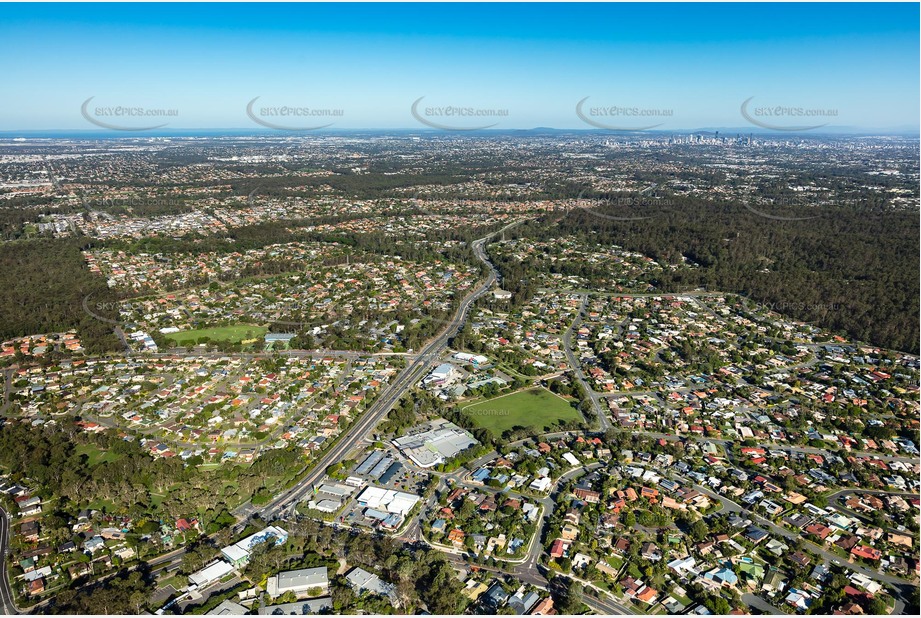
point(233, 334)
point(536, 408)
point(95, 455)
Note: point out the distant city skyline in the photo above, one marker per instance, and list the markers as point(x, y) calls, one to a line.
point(762, 68)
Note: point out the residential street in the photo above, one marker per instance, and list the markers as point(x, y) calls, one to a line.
point(6, 595)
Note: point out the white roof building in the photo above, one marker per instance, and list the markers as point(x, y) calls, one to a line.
point(211, 573)
point(476, 359)
point(439, 442)
point(362, 580)
point(235, 554)
point(388, 500)
point(440, 373)
point(238, 553)
point(31, 576)
point(298, 581)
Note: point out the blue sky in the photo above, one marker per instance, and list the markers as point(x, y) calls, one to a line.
point(536, 61)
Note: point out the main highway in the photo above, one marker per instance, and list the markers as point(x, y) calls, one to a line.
point(353, 436)
point(391, 394)
point(6, 595)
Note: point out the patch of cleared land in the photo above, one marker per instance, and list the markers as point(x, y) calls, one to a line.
point(536, 408)
point(233, 334)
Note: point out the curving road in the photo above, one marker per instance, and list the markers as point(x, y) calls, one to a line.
point(7, 607)
point(603, 422)
point(352, 438)
point(391, 394)
point(604, 606)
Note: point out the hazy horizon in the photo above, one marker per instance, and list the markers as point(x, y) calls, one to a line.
point(667, 67)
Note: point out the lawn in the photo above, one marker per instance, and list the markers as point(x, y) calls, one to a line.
point(233, 334)
point(176, 581)
point(614, 561)
point(535, 408)
point(95, 455)
point(106, 506)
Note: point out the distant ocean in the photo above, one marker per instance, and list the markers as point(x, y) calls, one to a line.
point(104, 134)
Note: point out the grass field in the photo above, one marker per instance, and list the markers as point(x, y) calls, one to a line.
point(614, 562)
point(233, 334)
point(95, 455)
point(535, 408)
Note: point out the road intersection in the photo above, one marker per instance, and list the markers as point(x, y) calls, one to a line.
point(388, 398)
point(527, 569)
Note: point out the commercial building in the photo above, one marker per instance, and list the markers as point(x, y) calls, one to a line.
point(434, 443)
point(439, 375)
point(300, 582)
point(388, 500)
point(238, 553)
point(476, 360)
point(363, 581)
point(210, 574)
